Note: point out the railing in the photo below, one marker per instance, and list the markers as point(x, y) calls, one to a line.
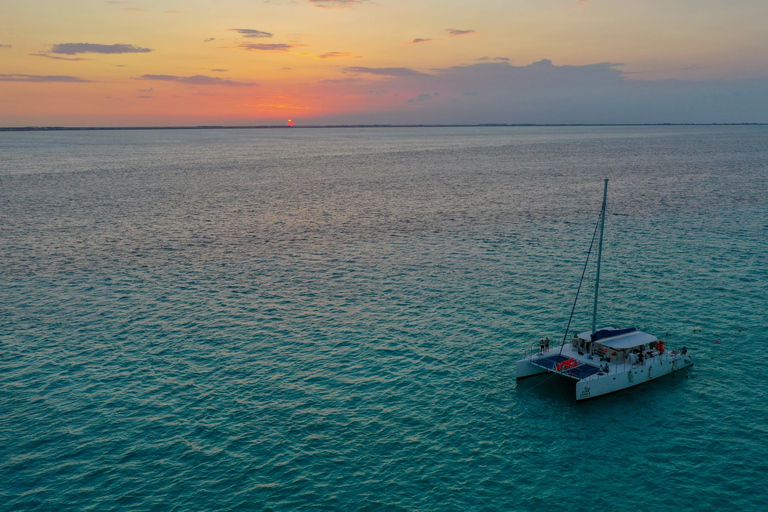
point(535, 349)
point(668, 356)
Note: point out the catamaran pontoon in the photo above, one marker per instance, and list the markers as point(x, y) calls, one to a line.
point(606, 360)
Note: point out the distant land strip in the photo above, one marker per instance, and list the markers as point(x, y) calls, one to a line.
point(216, 127)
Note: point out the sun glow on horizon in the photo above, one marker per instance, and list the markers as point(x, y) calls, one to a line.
point(113, 63)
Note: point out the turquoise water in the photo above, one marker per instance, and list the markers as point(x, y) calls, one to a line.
point(330, 318)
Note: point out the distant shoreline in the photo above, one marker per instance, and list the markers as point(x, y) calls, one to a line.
point(255, 127)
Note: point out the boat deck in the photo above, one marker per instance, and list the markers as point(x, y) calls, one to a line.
point(588, 368)
point(579, 372)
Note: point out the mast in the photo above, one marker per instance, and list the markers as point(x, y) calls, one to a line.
point(599, 256)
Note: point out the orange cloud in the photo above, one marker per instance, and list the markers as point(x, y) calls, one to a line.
point(55, 58)
point(339, 55)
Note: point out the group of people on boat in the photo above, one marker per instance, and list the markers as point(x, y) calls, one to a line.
point(544, 345)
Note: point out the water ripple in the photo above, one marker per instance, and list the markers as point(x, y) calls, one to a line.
point(244, 322)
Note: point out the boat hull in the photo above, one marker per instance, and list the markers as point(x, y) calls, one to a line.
point(636, 375)
point(526, 369)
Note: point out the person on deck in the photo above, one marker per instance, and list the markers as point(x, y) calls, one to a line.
point(546, 343)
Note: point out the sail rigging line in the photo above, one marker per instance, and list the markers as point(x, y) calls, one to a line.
point(581, 281)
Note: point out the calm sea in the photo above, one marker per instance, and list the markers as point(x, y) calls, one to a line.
point(330, 318)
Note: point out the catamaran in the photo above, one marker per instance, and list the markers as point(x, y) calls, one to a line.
point(605, 360)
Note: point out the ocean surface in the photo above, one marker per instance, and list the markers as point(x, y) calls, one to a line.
point(296, 319)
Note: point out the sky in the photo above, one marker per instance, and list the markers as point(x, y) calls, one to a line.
point(318, 62)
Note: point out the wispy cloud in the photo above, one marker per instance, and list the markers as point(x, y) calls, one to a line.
point(399, 72)
point(219, 70)
point(5, 46)
point(251, 33)
point(76, 48)
point(493, 59)
point(454, 32)
point(209, 40)
point(336, 3)
point(54, 57)
point(421, 40)
point(339, 55)
point(341, 81)
point(41, 78)
point(270, 106)
point(425, 96)
point(264, 47)
point(134, 9)
point(196, 80)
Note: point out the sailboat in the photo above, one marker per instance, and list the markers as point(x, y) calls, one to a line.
point(605, 360)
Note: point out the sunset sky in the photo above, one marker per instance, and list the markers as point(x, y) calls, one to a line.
point(253, 62)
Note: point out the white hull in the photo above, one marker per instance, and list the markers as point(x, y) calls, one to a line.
point(526, 369)
point(632, 376)
point(619, 376)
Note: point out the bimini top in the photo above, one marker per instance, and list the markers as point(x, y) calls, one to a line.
point(620, 338)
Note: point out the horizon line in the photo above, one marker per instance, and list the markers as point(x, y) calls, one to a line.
point(251, 127)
